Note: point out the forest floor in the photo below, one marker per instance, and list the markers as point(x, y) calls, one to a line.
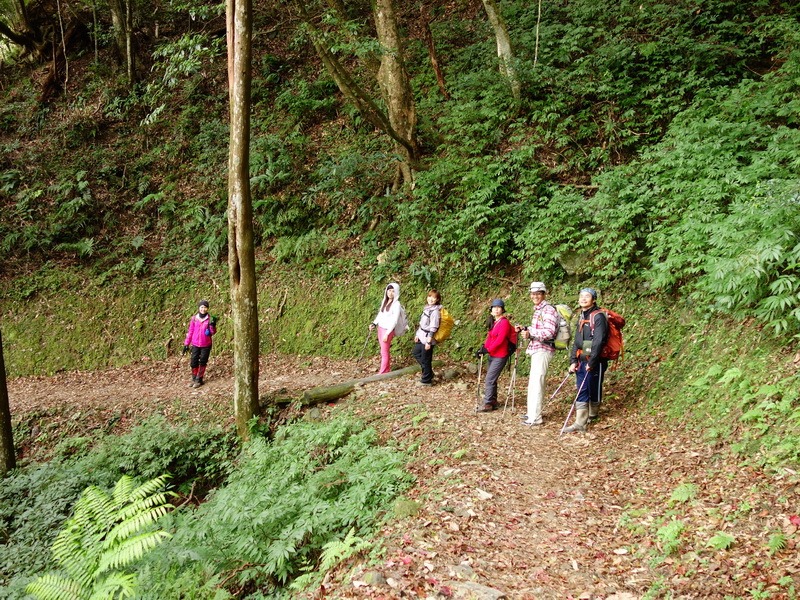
point(637, 507)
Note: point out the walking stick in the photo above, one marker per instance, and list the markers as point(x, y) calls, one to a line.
point(574, 402)
point(478, 391)
point(550, 399)
point(512, 381)
point(366, 341)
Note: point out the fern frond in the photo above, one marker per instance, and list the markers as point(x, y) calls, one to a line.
point(135, 523)
point(56, 587)
point(102, 535)
point(116, 585)
point(130, 550)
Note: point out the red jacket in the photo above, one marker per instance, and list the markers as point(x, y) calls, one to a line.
point(498, 337)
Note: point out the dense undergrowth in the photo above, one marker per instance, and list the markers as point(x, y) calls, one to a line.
point(279, 511)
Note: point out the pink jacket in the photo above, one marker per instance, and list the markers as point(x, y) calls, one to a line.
point(196, 336)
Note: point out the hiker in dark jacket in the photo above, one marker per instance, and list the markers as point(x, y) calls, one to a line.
point(590, 338)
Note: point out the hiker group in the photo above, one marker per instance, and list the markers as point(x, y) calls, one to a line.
point(596, 340)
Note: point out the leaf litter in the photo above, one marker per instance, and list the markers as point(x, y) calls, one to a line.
point(636, 507)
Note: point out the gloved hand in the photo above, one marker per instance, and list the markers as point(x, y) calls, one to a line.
point(481, 352)
point(213, 321)
point(208, 332)
point(185, 350)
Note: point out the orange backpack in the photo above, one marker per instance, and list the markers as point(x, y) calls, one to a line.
point(614, 347)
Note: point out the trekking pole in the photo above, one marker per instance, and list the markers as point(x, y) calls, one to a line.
point(478, 391)
point(572, 408)
point(366, 341)
point(550, 399)
point(512, 381)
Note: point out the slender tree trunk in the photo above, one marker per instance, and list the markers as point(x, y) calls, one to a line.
point(122, 24)
point(426, 29)
point(396, 87)
point(130, 53)
point(241, 251)
point(504, 52)
point(7, 452)
point(349, 87)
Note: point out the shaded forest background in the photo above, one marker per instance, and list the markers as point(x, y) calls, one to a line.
point(654, 141)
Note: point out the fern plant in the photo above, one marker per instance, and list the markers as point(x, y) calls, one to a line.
point(721, 541)
point(333, 553)
point(106, 533)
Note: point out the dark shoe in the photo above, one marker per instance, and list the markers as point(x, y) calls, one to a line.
point(194, 380)
point(198, 382)
point(487, 408)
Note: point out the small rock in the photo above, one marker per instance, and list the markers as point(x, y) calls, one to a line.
point(469, 590)
point(450, 374)
point(374, 578)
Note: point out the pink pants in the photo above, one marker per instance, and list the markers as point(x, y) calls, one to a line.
point(385, 357)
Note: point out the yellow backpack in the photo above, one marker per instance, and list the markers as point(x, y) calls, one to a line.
point(445, 327)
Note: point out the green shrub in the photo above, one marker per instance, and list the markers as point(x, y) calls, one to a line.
point(287, 501)
point(106, 533)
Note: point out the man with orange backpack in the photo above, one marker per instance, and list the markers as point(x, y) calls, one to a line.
point(587, 359)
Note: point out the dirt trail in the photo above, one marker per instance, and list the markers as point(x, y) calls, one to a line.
point(504, 508)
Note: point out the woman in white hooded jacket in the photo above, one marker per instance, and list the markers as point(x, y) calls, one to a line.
point(386, 321)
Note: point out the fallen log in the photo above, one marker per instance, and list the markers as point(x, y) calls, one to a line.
point(334, 392)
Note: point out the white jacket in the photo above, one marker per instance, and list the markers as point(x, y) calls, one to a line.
point(387, 319)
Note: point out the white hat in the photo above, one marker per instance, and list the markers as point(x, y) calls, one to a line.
point(538, 286)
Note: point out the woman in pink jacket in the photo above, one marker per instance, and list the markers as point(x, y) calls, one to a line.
point(198, 338)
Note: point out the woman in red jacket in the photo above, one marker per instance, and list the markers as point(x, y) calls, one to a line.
point(496, 346)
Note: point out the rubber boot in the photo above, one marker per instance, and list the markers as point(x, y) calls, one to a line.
point(581, 418)
point(594, 410)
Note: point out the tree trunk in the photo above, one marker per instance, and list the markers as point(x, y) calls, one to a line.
point(7, 452)
point(122, 24)
point(348, 86)
point(334, 392)
point(241, 252)
point(504, 52)
point(130, 55)
point(425, 23)
point(19, 30)
point(396, 87)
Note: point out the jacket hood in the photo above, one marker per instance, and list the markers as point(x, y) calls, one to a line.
point(396, 288)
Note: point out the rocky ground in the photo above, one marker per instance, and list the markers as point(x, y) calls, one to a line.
point(635, 508)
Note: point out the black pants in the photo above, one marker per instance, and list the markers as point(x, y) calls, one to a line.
point(424, 358)
point(200, 356)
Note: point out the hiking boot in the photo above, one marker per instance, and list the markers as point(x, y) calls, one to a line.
point(197, 382)
point(594, 410)
point(487, 408)
point(532, 423)
point(581, 418)
point(194, 380)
